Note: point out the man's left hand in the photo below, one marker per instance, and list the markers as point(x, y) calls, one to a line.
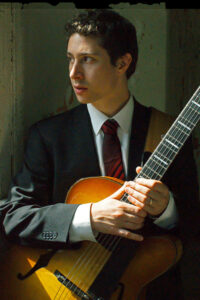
point(151, 195)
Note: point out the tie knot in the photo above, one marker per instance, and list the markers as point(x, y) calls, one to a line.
point(110, 127)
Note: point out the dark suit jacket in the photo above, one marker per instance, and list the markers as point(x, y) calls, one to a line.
point(59, 151)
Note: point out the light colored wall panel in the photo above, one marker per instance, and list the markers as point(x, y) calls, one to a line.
point(148, 84)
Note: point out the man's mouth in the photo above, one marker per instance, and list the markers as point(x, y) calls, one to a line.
point(80, 89)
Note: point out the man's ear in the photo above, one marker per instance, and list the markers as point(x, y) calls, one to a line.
point(124, 62)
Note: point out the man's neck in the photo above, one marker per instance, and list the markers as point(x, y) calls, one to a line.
point(112, 106)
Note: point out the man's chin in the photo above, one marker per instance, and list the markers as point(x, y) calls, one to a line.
point(83, 100)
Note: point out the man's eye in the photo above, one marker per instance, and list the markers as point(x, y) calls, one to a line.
point(69, 59)
point(87, 59)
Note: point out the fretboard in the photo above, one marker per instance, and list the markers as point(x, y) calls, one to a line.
point(174, 139)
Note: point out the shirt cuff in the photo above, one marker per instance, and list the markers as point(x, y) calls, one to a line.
point(169, 218)
point(80, 228)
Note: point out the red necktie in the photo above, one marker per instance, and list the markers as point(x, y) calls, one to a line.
point(112, 155)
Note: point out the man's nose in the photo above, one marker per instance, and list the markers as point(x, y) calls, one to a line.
point(75, 71)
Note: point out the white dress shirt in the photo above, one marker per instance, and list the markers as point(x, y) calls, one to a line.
point(80, 228)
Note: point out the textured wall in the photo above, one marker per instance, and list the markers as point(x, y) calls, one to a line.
point(6, 96)
point(149, 82)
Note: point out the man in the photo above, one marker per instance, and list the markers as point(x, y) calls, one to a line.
point(102, 52)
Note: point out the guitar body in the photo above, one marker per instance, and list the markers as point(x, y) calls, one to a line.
point(81, 266)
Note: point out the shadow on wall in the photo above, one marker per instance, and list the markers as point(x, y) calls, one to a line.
point(4, 244)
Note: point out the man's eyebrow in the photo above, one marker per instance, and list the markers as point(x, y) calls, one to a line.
point(84, 53)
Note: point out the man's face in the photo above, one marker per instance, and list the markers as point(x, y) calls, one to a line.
point(92, 76)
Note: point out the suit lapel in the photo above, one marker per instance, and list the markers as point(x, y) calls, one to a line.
point(76, 152)
point(140, 122)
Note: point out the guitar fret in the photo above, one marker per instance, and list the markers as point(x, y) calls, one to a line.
point(152, 170)
point(185, 126)
point(144, 175)
point(172, 143)
point(155, 165)
point(157, 157)
point(168, 148)
point(165, 157)
point(180, 131)
point(181, 128)
point(179, 137)
point(196, 104)
point(190, 115)
point(186, 120)
point(194, 110)
point(174, 140)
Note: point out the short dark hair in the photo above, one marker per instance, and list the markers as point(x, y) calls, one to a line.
point(115, 33)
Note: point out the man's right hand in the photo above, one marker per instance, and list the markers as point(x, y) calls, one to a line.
point(115, 217)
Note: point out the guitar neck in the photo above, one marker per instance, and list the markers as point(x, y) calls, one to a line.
point(174, 139)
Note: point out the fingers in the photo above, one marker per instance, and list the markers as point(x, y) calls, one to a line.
point(154, 185)
point(119, 193)
point(127, 234)
point(149, 195)
point(138, 169)
point(139, 195)
point(126, 221)
point(132, 209)
point(129, 220)
point(118, 218)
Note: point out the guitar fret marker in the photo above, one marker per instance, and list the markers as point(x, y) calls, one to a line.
point(196, 103)
point(172, 143)
point(184, 125)
point(160, 159)
point(179, 129)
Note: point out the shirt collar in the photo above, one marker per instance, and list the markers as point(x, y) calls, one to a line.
point(123, 117)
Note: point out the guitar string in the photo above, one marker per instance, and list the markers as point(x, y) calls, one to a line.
point(91, 248)
point(180, 133)
point(95, 245)
point(150, 172)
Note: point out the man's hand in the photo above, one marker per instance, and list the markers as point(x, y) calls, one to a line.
point(115, 217)
point(112, 216)
point(150, 195)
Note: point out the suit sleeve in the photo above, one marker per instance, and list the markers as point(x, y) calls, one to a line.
point(30, 215)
